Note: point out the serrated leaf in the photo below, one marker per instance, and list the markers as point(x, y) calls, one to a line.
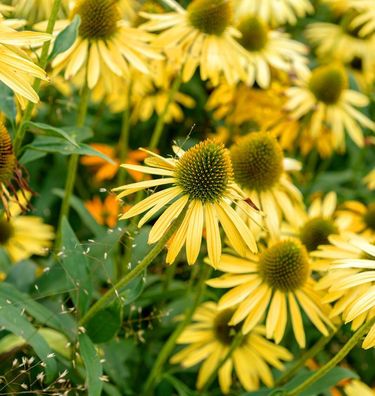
point(65, 38)
point(105, 324)
point(48, 130)
point(12, 320)
point(75, 264)
point(94, 369)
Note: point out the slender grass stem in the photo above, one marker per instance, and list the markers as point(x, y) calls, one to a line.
point(73, 164)
point(353, 341)
point(159, 127)
point(309, 354)
point(149, 258)
point(171, 342)
point(26, 116)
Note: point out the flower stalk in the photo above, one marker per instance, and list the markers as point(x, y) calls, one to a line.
point(21, 130)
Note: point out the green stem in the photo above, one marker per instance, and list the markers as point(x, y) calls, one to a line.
point(171, 342)
point(158, 130)
point(235, 343)
point(149, 258)
point(309, 354)
point(353, 341)
point(73, 164)
point(124, 138)
point(21, 130)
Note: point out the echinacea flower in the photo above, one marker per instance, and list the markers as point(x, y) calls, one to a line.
point(269, 49)
point(260, 169)
point(37, 10)
point(200, 36)
point(324, 99)
point(17, 69)
point(270, 285)
point(317, 223)
point(210, 337)
point(10, 174)
point(360, 217)
point(348, 265)
point(23, 236)
point(276, 12)
point(202, 184)
point(106, 46)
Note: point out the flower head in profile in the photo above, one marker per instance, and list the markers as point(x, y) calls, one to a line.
point(260, 170)
point(11, 177)
point(202, 183)
point(17, 69)
point(276, 12)
point(210, 337)
point(37, 10)
point(348, 265)
point(267, 50)
point(360, 217)
point(106, 45)
point(275, 284)
point(200, 36)
point(316, 224)
point(323, 99)
point(23, 236)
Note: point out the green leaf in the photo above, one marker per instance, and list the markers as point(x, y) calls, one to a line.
point(12, 320)
point(9, 294)
point(65, 38)
point(48, 130)
point(105, 324)
point(7, 104)
point(322, 384)
point(179, 386)
point(75, 264)
point(94, 369)
point(82, 212)
point(58, 145)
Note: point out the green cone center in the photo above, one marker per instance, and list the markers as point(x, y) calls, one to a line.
point(98, 18)
point(223, 331)
point(6, 231)
point(285, 265)
point(327, 83)
point(204, 171)
point(316, 231)
point(257, 161)
point(254, 33)
point(210, 16)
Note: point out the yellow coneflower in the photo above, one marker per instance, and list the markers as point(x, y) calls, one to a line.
point(359, 217)
point(37, 10)
point(341, 42)
point(202, 182)
point(356, 388)
point(324, 99)
point(106, 46)
point(201, 36)
point(269, 285)
point(260, 169)
point(209, 339)
point(24, 236)
point(349, 264)
point(266, 49)
point(10, 173)
point(276, 12)
point(317, 223)
point(17, 69)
